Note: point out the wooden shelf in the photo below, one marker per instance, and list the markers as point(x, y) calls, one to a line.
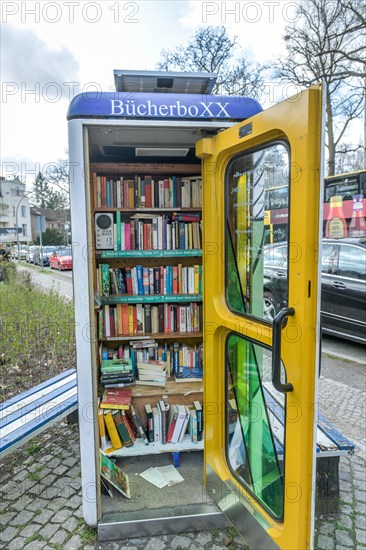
point(142, 210)
point(111, 254)
point(155, 336)
point(148, 299)
point(139, 448)
point(172, 388)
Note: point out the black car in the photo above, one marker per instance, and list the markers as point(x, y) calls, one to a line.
point(343, 292)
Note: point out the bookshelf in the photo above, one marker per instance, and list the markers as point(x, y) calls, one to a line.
point(147, 278)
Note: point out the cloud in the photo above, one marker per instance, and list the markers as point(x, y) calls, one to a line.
point(27, 58)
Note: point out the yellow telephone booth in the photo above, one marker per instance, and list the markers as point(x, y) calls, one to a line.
point(133, 156)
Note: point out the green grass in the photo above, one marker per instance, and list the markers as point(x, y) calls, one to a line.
point(33, 448)
point(36, 329)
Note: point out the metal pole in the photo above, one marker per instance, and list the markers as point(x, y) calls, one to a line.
point(40, 239)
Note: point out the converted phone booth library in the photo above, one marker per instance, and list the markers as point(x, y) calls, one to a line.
point(178, 359)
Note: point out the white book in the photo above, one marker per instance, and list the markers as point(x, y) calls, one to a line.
point(160, 233)
point(182, 413)
point(161, 193)
point(190, 280)
point(182, 319)
point(107, 324)
point(154, 476)
point(170, 474)
point(184, 426)
point(155, 234)
point(156, 424)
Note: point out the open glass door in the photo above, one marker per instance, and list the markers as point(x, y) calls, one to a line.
point(261, 320)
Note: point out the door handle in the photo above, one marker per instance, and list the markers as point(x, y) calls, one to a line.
point(338, 285)
point(276, 350)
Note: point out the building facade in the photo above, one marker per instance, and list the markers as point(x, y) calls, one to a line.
point(14, 212)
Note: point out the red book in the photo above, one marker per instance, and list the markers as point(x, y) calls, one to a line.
point(125, 320)
point(112, 326)
point(148, 192)
point(128, 277)
point(103, 183)
point(175, 279)
point(127, 236)
point(116, 396)
point(134, 315)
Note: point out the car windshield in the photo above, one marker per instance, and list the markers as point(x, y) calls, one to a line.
point(47, 249)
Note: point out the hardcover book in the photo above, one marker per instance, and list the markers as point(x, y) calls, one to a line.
point(115, 475)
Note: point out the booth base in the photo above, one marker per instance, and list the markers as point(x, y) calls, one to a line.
point(153, 511)
point(161, 521)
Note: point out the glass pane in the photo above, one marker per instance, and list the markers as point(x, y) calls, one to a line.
point(257, 213)
point(254, 456)
point(352, 262)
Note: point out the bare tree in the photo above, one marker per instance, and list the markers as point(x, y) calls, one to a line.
point(211, 50)
point(326, 44)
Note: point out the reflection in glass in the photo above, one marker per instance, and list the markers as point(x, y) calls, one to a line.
point(257, 213)
point(252, 454)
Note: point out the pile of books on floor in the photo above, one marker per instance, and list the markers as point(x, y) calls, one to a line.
point(170, 423)
point(120, 424)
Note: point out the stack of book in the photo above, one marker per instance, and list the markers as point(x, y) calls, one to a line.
point(152, 373)
point(117, 373)
point(119, 425)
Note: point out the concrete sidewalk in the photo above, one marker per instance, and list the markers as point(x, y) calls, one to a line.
point(41, 488)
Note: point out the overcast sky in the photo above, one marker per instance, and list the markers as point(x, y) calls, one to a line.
point(52, 50)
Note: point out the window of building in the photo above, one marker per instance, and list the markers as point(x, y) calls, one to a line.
point(24, 211)
point(24, 226)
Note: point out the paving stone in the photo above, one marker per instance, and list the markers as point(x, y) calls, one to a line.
point(70, 524)
point(345, 521)
point(59, 537)
point(30, 530)
point(57, 504)
point(22, 518)
point(361, 535)
point(48, 530)
point(44, 517)
point(343, 538)
point(73, 544)
point(360, 496)
point(6, 518)
point(35, 545)
point(61, 516)
point(16, 544)
point(74, 502)
point(60, 470)
point(203, 538)
point(180, 542)
point(8, 534)
point(325, 543)
point(326, 528)
point(48, 480)
point(70, 461)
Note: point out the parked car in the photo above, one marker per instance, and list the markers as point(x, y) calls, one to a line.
point(343, 286)
point(21, 253)
point(42, 255)
point(29, 258)
point(61, 259)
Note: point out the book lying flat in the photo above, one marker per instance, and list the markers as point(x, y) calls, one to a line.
point(162, 476)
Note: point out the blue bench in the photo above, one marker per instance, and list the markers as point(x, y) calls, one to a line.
point(26, 415)
point(331, 444)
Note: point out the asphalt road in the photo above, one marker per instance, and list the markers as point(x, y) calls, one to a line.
point(62, 281)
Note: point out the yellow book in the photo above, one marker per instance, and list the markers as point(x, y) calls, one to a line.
point(130, 319)
point(112, 430)
point(190, 236)
point(196, 278)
